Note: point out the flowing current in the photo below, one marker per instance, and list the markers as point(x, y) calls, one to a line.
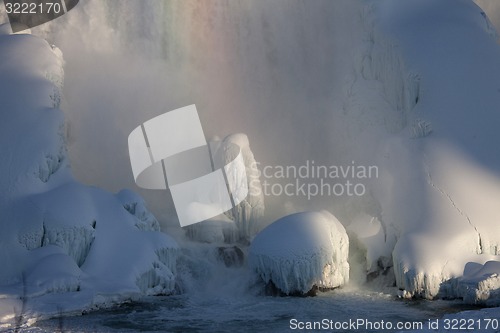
point(256, 314)
point(217, 298)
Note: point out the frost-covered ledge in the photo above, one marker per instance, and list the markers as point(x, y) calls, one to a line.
point(75, 245)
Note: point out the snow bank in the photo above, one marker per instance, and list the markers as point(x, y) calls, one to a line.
point(433, 117)
point(302, 251)
point(59, 236)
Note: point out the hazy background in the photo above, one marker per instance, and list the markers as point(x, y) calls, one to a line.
point(271, 69)
point(275, 70)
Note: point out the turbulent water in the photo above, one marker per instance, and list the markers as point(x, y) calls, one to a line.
point(250, 313)
point(216, 298)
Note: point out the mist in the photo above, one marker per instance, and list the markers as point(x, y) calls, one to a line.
point(278, 71)
point(273, 70)
point(492, 9)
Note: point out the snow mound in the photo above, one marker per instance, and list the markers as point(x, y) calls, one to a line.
point(302, 251)
point(58, 235)
point(52, 271)
point(480, 284)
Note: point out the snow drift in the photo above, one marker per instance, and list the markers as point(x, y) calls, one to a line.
point(57, 234)
point(300, 252)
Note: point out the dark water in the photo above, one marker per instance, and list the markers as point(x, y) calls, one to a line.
point(253, 313)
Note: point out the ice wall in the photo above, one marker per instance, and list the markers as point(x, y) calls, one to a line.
point(438, 188)
point(58, 235)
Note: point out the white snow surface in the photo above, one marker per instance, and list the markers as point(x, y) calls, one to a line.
point(480, 284)
point(300, 251)
point(429, 73)
point(62, 240)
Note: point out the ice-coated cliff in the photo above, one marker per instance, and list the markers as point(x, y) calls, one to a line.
point(58, 235)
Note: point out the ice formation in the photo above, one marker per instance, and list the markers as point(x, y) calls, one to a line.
point(439, 183)
point(302, 251)
point(243, 221)
point(368, 238)
point(57, 234)
point(480, 284)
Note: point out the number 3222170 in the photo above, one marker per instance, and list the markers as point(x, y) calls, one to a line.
point(33, 8)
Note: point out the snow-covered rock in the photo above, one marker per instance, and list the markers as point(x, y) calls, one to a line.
point(480, 284)
point(302, 251)
point(58, 235)
point(136, 206)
